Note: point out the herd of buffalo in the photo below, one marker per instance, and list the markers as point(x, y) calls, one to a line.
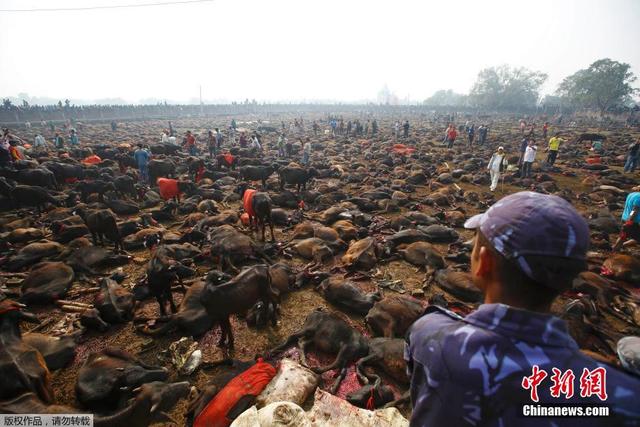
point(141, 309)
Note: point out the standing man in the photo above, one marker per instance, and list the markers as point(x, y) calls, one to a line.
point(554, 146)
point(316, 128)
point(496, 166)
point(374, 127)
point(190, 143)
point(73, 138)
point(58, 142)
point(482, 134)
point(281, 142)
point(631, 221)
point(545, 130)
point(218, 139)
point(141, 156)
point(405, 129)
point(306, 152)
point(471, 133)
point(484, 369)
point(452, 134)
point(523, 148)
point(529, 158)
point(40, 145)
point(211, 144)
point(633, 157)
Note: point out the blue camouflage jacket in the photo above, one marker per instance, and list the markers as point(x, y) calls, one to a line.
point(469, 371)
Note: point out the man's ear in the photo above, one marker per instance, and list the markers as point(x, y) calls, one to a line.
point(485, 263)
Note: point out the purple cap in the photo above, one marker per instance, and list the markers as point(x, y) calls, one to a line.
point(527, 225)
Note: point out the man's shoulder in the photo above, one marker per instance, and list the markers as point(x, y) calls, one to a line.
point(434, 320)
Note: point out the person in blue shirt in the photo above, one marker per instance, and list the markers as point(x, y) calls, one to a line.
point(73, 138)
point(630, 221)
point(492, 366)
point(142, 158)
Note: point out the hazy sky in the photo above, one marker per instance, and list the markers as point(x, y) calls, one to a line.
point(301, 49)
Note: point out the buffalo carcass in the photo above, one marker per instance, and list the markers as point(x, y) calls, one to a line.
point(387, 355)
point(47, 282)
point(56, 351)
point(23, 368)
point(347, 295)
point(329, 333)
point(191, 319)
point(237, 296)
point(34, 252)
point(393, 315)
point(231, 246)
point(107, 379)
point(28, 195)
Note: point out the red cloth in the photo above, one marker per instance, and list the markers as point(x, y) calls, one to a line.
point(452, 134)
point(247, 202)
point(250, 382)
point(92, 160)
point(191, 140)
point(199, 174)
point(228, 157)
point(168, 188)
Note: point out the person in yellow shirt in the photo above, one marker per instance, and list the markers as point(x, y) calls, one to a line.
point(554, 145)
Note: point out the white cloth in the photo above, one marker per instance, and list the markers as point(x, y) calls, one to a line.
point(165, 138)
point(530, 153)
point(494, 163)
point(40, 142)
point(495, 178)
point(307, 148)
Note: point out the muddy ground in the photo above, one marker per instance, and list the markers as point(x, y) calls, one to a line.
point(295, 306)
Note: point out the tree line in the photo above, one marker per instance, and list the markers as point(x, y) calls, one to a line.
point(604, 86)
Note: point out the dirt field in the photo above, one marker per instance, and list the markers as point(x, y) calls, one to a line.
point(425, 135)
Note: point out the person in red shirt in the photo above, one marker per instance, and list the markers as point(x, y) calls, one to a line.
point(190, 143)
point(452, 134)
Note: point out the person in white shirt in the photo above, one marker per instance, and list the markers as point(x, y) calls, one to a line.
point(255, 144)
point(496, 166)
point(529, 158)
point(165, 137)
point(306, 152)
point(40, 144)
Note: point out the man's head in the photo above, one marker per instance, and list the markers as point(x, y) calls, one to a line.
point(528, 249)
point(531, 142)
point(500, 150)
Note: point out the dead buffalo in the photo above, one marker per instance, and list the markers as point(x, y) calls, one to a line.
point(191, 319)
point(108, 377)
point(23, 367)
point(47, 282)
point(329, 333)
point(347, 295)
point(393, 315)
point(27, 195)
point(114, 302)
point(32, 253)
point(57, 351)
